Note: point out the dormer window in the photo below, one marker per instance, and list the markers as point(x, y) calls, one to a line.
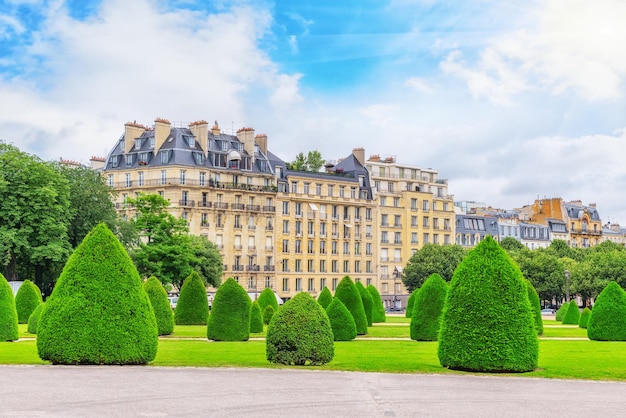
point(165, 156)
point(115, 161)
point(129, 159)
point(152, 143)
point(191, 141)
point(224, 146)
point(199, 158)
point(137, 143)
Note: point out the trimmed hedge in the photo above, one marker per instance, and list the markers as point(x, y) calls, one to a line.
point(378, 309)
point(28, 297)
point(608, 316)
point(230, 316)
point(98, 312)
point(8, 313)
point(409, 304)
point(325, 298)
point(572, 316)
point(347, 292)
point(367, 302)
point(487, 323)
point(160, 305)
point(256, 320)
point(192, 307)
point(300, 334)
point(584, 318)
point(341, 321)
point(268, 313)
point(560, 313)
point(266, 298)
point(33, 319)
point(535, 304)
point(427, 309)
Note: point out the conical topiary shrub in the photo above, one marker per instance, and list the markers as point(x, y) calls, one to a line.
point(230, 316)
point(584, 318)
point(160, 304)
point(256, 321)
point(367, 302)
point(560, 313)
point(535, 304)
point(325, 298)
point(268, 313)
point(378, 309)
point(487, 323)
point(33, 319)
point(192, 307)
point(608, 316)
point(8, 314)
point(408, 313)
point(347, 292)
point(427, 309)
point(341, 321)
point(300, 333)
point(572, 316)
point(267, 298)
point(28, 297)
point(98, 312)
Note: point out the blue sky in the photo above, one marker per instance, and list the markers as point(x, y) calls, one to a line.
point(508, 100)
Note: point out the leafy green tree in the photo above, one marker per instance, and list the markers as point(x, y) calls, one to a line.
point(544, 271)
point(367, 302)
point(192, 307)
point(378, 309)
point(560, 313)
point(33, 319)
point(533, 298)
point(560, 249)
point(596, 270)
point(325, 298)
point(487, 324)
point(160, 304)
point(207, 260)
point(427, 309)
point(230, 316)
point(572, 316)
point(341, 321)
point(300, 333)
point(267, 298)
point(347, 292)
point(432, 258)
point(608, 316)
point(8, 313)
point(98, 312)
point(268, 313)
point(314, 161)
point(28, 297)
point(511, 245)
point(408, 313)
point(256, 320)
point(584, 318)
point(299, 164)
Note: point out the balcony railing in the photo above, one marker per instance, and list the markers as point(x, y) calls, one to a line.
point(254, 208)
point(269, 208)
point(237, 267)
point(269, 268)
point(187, 203)
point(237, 206)
point(205, 204)
point(253, 267)
point(220, 205)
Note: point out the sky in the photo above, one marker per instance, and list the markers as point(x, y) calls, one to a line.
point(509, 100)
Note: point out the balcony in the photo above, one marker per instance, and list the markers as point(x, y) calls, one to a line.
point(253, 267)
point(252, 227)
point(186, 203)
point(269, 268)
point(220, 205)
point(384, 225)
point(237, 206)
point(237, 247)
point(384, 259)
point(310, 214)
point(335, 235)
point(322, 216)
point(270, 248)
point(269, 208)
point(251, 247)
point(269, 228)
point(298, 215)
point(253, 208)
point(237, 267)
point(204, 224)
point(237, 227)
point(397, 242)
point(205, 204)
point(397, 225)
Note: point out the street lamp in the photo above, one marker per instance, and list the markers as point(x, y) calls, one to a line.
point(566, 285)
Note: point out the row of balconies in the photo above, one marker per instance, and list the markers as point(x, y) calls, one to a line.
point(175, 181)
point(387, 259)
point(249, 267)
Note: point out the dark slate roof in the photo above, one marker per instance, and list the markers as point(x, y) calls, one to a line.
point(575, 211)
point(485, 225)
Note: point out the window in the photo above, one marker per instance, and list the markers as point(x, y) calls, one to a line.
point(110, 182)
point(165, 156)
point(298, 268)
point(311, 285)
point(163, 177)
point(330, 190)
point(357, 266)
point(285, 208)
point(346, 248)
point(298, 285)
point(129, 159)
point(397, 221)
point(413, 237)
point(198, 157)
point(396, 202)
point(368, 248)
point(353, 192)
point(335, 281)
point(368, 214)
point(346, 266)
point(140, 178)
point(309, 266)
point(334, 266)
point(342, 191)
point(425, 205)
point(414, 221)
point(383, 220)
point(128, 181)
point(322, 266)
point(397, 238)
point(183, 176)
point(310, 244)
point(426, 222)
point(383, 201)
point(298, 246)
point(322, 284)
point(306, 188)
point(368, 266)
point(318, 189)
point(426, 238)
point(294, 187)
point(322, 247)
point(298, 209)
point(334, 247)
point(285, 226)
point(285, 285)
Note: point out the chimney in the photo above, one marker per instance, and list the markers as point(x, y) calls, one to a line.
point(132, 131)
point(200, 129)
point(97, 163)
point(246, 135)
point(215, 130)
point(261, 141)
point(162, 129)
point(374, 158)
point(359, 154)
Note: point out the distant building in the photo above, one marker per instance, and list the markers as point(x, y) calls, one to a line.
point(472, 229)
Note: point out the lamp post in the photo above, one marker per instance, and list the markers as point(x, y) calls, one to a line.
point(566, 285)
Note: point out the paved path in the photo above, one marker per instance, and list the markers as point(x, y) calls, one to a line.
point(99, 391)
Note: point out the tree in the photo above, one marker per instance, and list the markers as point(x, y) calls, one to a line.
point(192, 307)
point(300, 334)
point(267, 298)
point(367, 302)
point(608, 316)
point(33, 319)
point(325, 298)
point(596, 270)
point(533, 298)
point(544, 271)
point(207, 260)
point(584, 318)
point(487, 324)
point(268, 313)
point(511, 245)
point(378, 309)
point(427, 309)
point(98, 312)
point(28, 297)
point(160, 304)
point(572, 316)
point(347, 292)
point(341, 321)
point(230, 315)
point(560, 313)
point(256, 320)
point(313, 161)
point(410, 302)
point(8, 313)
point(431, 258)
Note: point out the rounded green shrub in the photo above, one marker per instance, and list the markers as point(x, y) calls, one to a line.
point(256, 320)
point(192, 307)
point(268, 313)
point(8, 313)
point(300, 333)
point(33, 319)
point(535, 304)
point(572, 316)
point(341, 321)
point(230, 316)
point(584, 318)
point(366, 298)
point(378, 309)
point(487, 323)
point(560, 313)
point(98, 312)
point(325, 297)
point(28, 297)
point(347, 292)
point(266, 298)
point(427, 309)
point(160, 305)
point(608, 316)
point(408, 313)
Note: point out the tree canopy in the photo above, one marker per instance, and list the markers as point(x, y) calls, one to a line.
point(313, 161)
point(430, 259)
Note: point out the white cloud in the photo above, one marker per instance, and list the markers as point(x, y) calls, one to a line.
point(418, 84)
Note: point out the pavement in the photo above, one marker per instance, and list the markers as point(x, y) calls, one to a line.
point(144, 391)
